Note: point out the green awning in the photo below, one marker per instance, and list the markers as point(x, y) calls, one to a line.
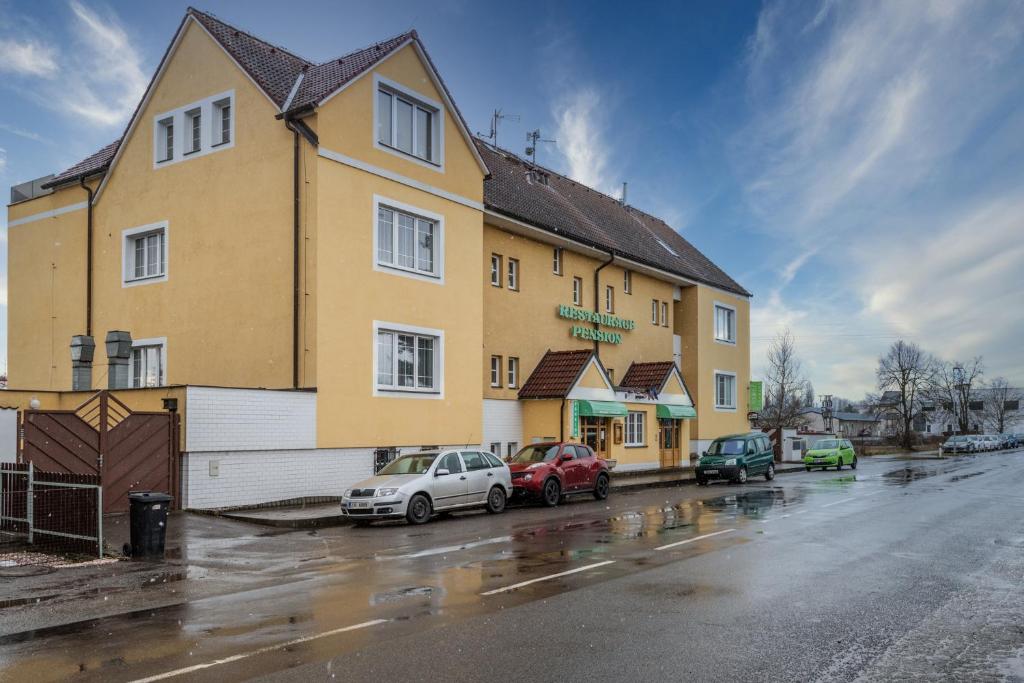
point(602, 409)
point(671, 412)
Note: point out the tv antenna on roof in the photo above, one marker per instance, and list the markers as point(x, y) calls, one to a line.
point(533, 137)
point(496, 118)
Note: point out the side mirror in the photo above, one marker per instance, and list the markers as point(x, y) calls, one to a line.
point(704, 454)
point(441, 472)
point(566, 457)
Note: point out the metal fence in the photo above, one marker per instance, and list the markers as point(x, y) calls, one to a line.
point(48, 513)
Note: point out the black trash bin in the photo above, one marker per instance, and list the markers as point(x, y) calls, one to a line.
point(148, 523)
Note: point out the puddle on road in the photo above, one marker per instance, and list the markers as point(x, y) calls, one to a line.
point(753, 504)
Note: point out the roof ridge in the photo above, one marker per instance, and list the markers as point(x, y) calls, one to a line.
point(209, 15)
point(411, 34)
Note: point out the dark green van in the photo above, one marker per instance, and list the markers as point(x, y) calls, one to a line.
point(737, 458)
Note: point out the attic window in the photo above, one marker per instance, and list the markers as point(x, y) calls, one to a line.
point(408, 124)
point(666, 247)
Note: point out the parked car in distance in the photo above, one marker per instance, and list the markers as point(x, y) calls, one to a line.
point(831, 453)
point(737, 458)
point(417, 485)
point(552, 470)
point(959, 443)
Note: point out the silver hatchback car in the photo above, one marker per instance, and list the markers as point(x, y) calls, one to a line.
point(417, 485)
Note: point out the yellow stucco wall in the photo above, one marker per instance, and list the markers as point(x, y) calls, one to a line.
point(702, 355)
point(352, 294)
point(525, 323)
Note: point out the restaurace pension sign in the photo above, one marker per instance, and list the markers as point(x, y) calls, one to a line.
point(602, 319)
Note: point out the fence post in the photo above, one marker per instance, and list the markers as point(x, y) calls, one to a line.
point(99, 520)
point(30, 502)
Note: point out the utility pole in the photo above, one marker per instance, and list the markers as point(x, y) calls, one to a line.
point(532, 138)
point(826, 412)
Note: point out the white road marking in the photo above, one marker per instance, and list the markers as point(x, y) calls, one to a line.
point(550, 576)
point(691, 540)
point(445, 549)
point(838, 502)
point(772, 519)
point(260, 651)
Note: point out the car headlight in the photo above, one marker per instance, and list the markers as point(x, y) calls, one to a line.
point(528, 477)
point(387, 492)
point(348, 493)
point(730, 461)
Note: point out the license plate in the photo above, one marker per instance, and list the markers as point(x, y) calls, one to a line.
point(710, 471)
point(818, 460)
point(358, 505)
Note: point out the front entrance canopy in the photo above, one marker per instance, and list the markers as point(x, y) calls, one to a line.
point(602, 409)
point(673, 412)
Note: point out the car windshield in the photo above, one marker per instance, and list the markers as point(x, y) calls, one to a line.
point(416, 463)
point(728, 447)
point(957, 439)
point(532, 454)
point(826, 444)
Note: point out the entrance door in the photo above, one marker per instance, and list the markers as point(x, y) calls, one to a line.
point(671, 456)
point(595, 434)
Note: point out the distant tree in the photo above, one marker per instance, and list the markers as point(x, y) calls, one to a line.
point(906, 371)
point(784, 384)
point(954, 389)
point(808, 395)
point(1001, 400)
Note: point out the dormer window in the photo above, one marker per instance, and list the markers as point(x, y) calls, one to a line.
point(408, 123)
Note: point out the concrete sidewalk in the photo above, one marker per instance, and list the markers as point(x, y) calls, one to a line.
point(313, 515)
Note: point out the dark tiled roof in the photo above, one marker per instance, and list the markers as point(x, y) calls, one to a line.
point(555, 374)
point(323, 79)
point(94, 163)
point(644, 376)
point(569, 209)
point(272, 67)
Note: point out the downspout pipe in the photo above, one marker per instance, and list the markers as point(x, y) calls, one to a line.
point(296, 244)
point(597, 295)
point(88, 257)
point(561, 421)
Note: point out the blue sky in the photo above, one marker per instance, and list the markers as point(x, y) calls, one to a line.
point(859, 166)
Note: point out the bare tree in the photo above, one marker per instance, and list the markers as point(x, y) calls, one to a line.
point(905, 372)
point(1001, 401)
point(808, 401)
point(954, 389)
point(785, 384)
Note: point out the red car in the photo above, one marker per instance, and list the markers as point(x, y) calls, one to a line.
point(550, 471)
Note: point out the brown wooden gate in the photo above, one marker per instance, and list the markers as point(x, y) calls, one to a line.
point(128, 450)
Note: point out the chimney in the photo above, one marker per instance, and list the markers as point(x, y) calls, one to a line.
point(119, 354)
point(82, 350)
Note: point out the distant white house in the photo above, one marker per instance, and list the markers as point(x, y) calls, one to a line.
point(846, 424)
point(937, 418)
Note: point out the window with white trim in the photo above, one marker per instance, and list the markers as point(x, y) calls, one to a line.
point(725, 391)
point(407, 125)
point(222, 122)
point(556, 261)
point(194, 129)
point(513, 372)
point(609, 299)
point(635, 428)
point(654, 311)
point(725, 324)
point(145, 254)
point(664, 314)
point(513, 448)
point(407, 242)
point(627, 281)
point(577, 291)
point(513, 274)
point(165, 140)
point(194, 118)
point(407, 361)
point(147, 366)
point(496, 448)
point(495, 371)
point(496, 270)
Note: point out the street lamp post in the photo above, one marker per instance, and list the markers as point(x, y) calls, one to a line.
point(958, 386)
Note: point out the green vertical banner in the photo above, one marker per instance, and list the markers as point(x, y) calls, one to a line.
point(755, 402)
point(575, 426)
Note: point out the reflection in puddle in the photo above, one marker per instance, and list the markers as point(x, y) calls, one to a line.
point(751, 503)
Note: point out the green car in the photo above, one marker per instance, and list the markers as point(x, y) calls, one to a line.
point(736, 458)
point(831, 453)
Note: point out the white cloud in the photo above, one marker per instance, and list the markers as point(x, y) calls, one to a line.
point(3, 160)
point(22, 133)
point(28, 58)
point(581, 139)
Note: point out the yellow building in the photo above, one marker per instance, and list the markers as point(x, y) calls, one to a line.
point(267, 222)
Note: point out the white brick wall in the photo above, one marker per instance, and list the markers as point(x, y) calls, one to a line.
point(254, 477)
point(249, 419)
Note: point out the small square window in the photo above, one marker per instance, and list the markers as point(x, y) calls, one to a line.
point(496, 270)
point(725, 391)
point(147, 367)
point(145, 254)
point(725, 324)
point(513, 448)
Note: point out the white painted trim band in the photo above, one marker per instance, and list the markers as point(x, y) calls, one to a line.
point(398, 178)
point(53, 213)
point(546, 578)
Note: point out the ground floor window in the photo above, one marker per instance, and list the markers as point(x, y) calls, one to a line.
point(147, 368)
point(725, 390)
point(496, 447)
point(408, 361)
point(635, 432)
point(513, 448)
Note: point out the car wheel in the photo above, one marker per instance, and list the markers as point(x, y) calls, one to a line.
point(807, 467)
point(552, 493)
point(701, 481)
point(496, 500)
point(601, 487)
point(853, 463)
point(742, 476)
point(418, 511)
point(769, 473)
point(839, 463)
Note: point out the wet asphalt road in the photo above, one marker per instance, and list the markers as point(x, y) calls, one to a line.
point(897, 570)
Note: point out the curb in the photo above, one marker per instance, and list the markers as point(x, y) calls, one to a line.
point(689, 479)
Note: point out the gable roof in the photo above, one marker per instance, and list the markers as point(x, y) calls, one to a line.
point(645, 376)
point(96, 162)
point(556, 374)
point(580, 213)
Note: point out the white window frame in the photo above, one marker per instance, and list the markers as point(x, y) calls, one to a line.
point(664, 314)
point(190, 121)
point(151, 342)
point(413, 97)
point(636, 434)
point(556, 261)
point(209, 110)
point(437, 277)
point(513, 274)
point(654, 311)
point(609, 299)
point(577, 291)
point(496, 372)
point(627, 281)
point(435, 393)
point(732, 318)
point(217, 122)
point(128, 237)
point(725, 408)
point(513, 372)
point(497, 272)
